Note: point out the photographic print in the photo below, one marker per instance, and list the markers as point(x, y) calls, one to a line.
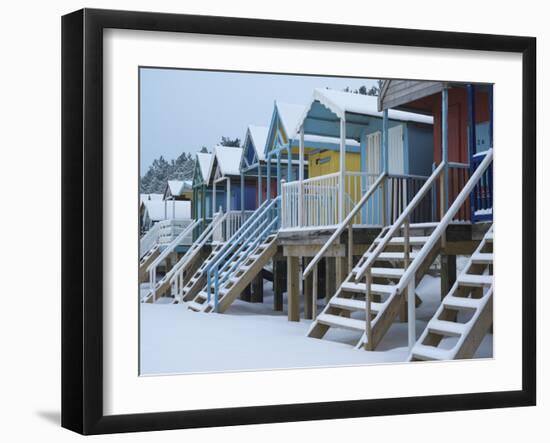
point(297, 221)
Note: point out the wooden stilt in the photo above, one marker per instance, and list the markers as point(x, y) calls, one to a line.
point(279, 282)
point(330, 269)
point(448, 273)
point(341, 270)
point(293, 288)
point(257, 289)
point(246, 294)
point(321, 278)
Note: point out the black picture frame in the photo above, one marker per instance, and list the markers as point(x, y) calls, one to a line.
point(82, 231)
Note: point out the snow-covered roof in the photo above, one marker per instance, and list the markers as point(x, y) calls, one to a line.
point(290, 116)
point(258, 134)
point(329, 140)
point(166, 210)
point(340, 103)
point(205, 160)
point(145, 197)
point(175, 187)
point(229, 159)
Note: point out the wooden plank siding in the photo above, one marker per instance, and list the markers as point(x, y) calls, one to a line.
point(398, 92)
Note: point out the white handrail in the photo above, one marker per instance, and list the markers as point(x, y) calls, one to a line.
point(148, 240)
point(219, 218)
point(400, 220)
point(343, 225)
point(173, 244)
point(445, 221)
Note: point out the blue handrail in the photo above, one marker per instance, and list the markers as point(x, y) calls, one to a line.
point(264, 221)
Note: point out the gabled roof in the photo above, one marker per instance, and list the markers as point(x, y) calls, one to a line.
point(175, 187)
point(289, 115)
point(145, 197)
point(205, 161)
point(158, 210)
point(258, 137)
point(228, 159)
point(341, 103)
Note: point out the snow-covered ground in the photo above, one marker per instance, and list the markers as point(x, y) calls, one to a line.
point(251, 336)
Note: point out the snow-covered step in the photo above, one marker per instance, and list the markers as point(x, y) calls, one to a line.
point(351, 304)
point(341, 322)
point(195, 306)
point(482, 258)
point(475, 280)
point(387, 272)
point(461, 302)
point(389, 256)
point(444, 327)
point(361, 287)
point(423, 352)
point(413, 241)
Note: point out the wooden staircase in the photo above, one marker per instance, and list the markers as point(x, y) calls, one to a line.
point(197, 279)
point(146, 260)
point(465, 314)
point(235, 281)
point(347, 308)
point(238, 261)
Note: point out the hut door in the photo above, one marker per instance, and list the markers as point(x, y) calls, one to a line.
point(374, 161)
point(395, 150)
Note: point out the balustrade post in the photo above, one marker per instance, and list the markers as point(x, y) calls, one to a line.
point(350, 247)
point(368, 324)
point(406, 261)
point(411, 295)
point(315, 292)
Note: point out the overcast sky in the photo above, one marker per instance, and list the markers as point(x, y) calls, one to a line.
point(184, 110)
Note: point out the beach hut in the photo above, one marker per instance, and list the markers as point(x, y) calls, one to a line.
point(463, 132)
point(253, 167)
point(202, 185)
point(282, 147)
point(178, 190)
point(342, 176)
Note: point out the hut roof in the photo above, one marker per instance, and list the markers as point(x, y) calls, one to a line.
point(166, 210)
point(206, 160)
point(229, 159)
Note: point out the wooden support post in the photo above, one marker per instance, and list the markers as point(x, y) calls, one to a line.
point(330, 269)
point(315, 285)
point(293, 288)
point(321, 278)
point(445, 146)
point(259, 199)
point(341, 267)
point(257, 289)
point(242, 195)
point(268, 179)
point(301, 179)
point(448, 273)
point(213, 198)
point(279, 272)
point(341, 184)
point(308, 291)
point(246, 294)
point(278, 172)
